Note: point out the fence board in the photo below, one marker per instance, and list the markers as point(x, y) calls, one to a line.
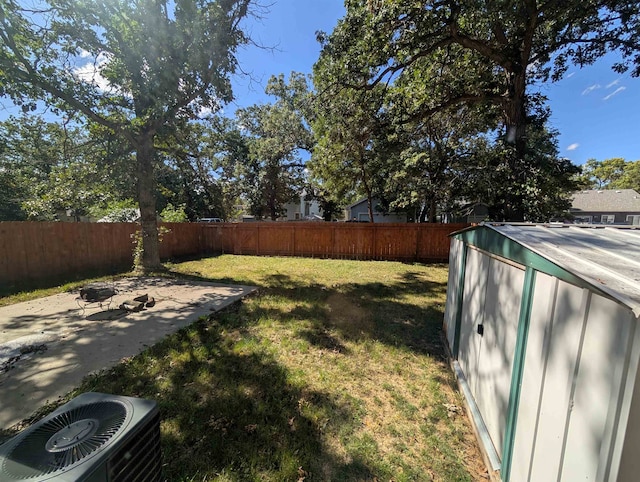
point(353, 241)
point(275, 240)
point(33, 251)
point(311, 242)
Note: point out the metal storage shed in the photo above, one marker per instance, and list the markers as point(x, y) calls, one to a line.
point(542, 325)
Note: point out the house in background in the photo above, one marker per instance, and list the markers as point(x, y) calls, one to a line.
point(301, 209)
point(359, 211)
point(468, 213)
point(606, 206)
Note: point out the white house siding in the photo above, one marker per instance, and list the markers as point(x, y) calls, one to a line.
point(301, 209)
point(450, 310)
point(573, 373)
point(493, 292)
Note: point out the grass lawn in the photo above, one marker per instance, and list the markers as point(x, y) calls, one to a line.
point(333, 371)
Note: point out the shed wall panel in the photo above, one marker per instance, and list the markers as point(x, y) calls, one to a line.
point(555, 400)
point(495, 361)
point(597, 390)
point(540, 328)
point(451, 308)
point(629, 460)
point(475, 287)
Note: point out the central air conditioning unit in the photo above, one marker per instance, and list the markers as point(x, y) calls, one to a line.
point(93, 438)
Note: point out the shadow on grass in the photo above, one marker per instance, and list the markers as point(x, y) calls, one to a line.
point(358, 311)
point(229, 409)
point(231, 412)
point(70, 280)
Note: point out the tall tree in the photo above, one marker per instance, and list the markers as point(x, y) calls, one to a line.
point(429, 163)
point(602, 174)
point(10, 198)
point(630, 179)
point(509, 45)
point(548, 182)
point(277, 135)
point(346, 126)
point(137, 68)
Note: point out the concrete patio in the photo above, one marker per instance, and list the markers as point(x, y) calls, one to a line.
point(48, 345)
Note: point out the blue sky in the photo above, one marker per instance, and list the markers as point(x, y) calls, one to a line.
point(596, 110)
point(290, 29)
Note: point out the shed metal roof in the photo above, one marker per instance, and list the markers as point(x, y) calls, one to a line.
point(606, 257)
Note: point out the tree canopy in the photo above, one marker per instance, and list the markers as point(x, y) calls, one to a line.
point(276, 134)
point(614, 173)
point(139, 69)
point(430, 57)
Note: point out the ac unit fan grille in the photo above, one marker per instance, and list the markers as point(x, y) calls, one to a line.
point(139, 459)
point(65, 440)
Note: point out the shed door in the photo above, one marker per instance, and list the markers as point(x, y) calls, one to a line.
point(493, 292)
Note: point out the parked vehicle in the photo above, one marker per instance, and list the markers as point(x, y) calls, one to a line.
point(210, 220)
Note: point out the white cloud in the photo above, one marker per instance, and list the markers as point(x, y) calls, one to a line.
point(205, 112)
point(617, 91)
point(590, 89)
point(570, 74)
point(90, 72)
point(202, 111)
point(611, 84)
point(573, 146)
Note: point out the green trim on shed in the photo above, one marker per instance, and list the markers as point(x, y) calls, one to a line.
point(460, 300)
point(491, 241)
point(517, 371)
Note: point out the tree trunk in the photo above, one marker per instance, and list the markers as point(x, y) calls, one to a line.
point(369, 203)
point(422, 215)
point(516, 125)
point(367, 189)
point(150, 259)
point(432, 210)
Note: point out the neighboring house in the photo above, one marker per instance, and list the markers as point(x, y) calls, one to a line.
point(301, 209)
point(608, 206)
point(359, 211)
point(469, 213)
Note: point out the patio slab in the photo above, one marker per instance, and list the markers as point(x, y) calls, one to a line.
point(48, 345)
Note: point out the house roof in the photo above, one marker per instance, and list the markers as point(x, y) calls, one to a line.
point(359, 201)
point(375, 201)
point(605, 258)
point(606, 201)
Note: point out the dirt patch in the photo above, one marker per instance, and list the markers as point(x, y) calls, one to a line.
point(348, 316)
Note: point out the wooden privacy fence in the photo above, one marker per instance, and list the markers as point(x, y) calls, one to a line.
point(35, 251)
point(383, 241)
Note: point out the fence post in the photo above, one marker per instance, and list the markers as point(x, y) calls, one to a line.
point(293, 248)
point(258, 240)
point(332, 254)
point(374, 254)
